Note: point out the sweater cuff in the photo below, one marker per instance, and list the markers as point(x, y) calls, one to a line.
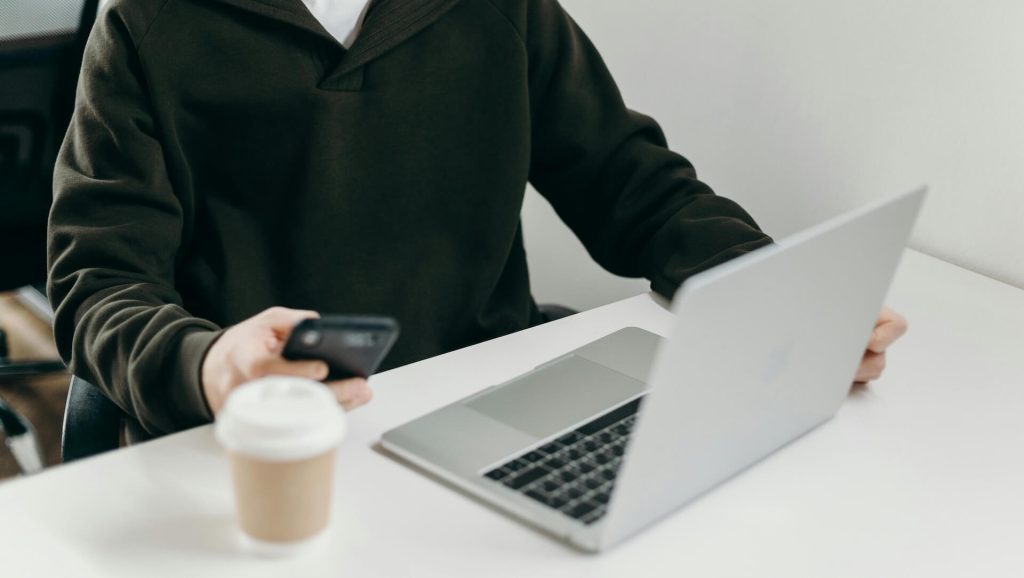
point(667, 279)
point(189, 399)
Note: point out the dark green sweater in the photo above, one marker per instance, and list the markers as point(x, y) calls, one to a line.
point(226, 156)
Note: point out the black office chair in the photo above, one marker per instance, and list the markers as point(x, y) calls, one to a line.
point(552, 312)
point(23, 138)
point(24, 202)
point(92, 423)
point(24, 196)
point(34, 117)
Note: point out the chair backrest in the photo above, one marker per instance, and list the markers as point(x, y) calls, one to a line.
point(92, 423)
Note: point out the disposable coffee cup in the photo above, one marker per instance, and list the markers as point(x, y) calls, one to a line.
point(281, 435)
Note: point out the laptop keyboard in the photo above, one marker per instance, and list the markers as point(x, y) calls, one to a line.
point(574, 473)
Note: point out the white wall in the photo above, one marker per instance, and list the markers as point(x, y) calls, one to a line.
point(799, 109)
point(561, 271)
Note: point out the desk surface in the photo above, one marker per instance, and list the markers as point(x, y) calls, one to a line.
point(919, 475)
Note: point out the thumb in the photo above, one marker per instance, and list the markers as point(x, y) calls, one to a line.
point(276, 325)
point(282, 319)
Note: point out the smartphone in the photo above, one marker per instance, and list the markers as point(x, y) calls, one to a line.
point(351, 345)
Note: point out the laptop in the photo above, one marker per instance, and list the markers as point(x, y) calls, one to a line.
point(600, 443)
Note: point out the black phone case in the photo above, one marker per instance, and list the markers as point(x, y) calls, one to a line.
point(351, 345)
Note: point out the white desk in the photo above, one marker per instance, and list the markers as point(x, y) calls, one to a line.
point(921, 475)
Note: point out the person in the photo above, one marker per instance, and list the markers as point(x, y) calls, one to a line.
point(234, 166)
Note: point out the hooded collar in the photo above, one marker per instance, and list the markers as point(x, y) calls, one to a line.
point(291, 12)
point(387, 24)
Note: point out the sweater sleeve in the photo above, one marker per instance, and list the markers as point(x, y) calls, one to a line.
point(637, 207)
point(115, 230)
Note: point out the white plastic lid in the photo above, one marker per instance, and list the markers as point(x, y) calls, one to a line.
point(280, 418)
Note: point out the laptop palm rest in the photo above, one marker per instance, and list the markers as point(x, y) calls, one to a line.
point(555, 397)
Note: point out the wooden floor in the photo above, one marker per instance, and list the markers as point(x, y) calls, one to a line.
point(38, 399)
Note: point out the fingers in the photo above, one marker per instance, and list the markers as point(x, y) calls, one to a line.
point(871, 367)
point(889, 327)
point(275, 365)
point(251, 349)
point(351, 393)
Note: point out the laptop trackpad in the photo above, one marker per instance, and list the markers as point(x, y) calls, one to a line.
point(553, 398)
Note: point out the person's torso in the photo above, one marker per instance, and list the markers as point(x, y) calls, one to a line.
point(385, 179)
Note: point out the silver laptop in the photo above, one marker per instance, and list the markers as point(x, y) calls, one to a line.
point(600, 443)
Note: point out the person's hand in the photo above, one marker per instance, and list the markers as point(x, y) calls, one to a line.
point(889, 327)
point(252, 349)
